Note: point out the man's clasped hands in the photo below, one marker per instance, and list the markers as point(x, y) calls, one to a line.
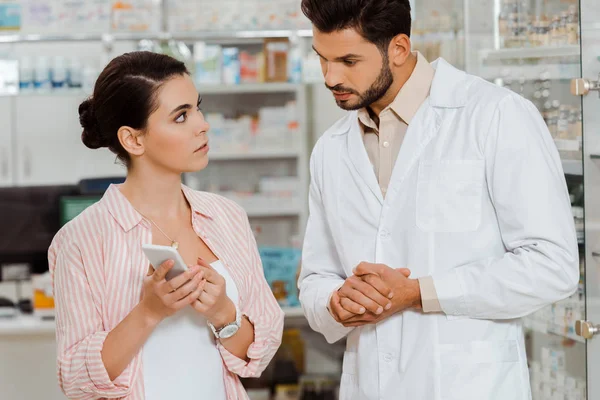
point(373, 293)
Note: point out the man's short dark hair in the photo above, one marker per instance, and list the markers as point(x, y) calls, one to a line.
point(378, 21)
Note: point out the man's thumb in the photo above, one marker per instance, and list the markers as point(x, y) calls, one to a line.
point(405, 271)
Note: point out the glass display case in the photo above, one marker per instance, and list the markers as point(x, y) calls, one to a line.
point(544, 50)
point(549, 52)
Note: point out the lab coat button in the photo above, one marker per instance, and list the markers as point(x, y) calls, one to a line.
point(388, 358)
point(384, 234)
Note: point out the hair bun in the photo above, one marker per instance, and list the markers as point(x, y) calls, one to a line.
point(91, 136)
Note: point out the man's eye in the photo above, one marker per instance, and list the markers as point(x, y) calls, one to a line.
point(350, 63)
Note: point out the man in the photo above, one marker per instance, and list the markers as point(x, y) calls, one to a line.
point(446, 175)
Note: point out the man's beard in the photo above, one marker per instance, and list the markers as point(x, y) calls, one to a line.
point(377, 90)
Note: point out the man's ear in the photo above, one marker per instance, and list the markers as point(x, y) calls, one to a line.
point(399, 50)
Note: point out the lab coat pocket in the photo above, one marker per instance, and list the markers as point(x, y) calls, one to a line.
point(348, 384)
point(449, 195)
point(481, 370)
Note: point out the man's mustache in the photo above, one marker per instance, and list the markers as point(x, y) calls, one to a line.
point(340, 89)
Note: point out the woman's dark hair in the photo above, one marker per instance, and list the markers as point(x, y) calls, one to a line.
point(378, 21)
point(125, 95)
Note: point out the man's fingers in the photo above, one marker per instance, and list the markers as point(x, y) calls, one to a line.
point(360, 320)
point(378, 290)
point(338, 312)
point(161, 272)
point(365, 268)
point(351, 308)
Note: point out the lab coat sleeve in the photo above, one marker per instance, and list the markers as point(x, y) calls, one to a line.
point(79, 332)
point(322, 272)
point(528, 191)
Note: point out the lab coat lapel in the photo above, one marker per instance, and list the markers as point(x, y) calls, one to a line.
point(424, 128)
point(360, 160)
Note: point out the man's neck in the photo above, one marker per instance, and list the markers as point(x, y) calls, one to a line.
point(401, 76)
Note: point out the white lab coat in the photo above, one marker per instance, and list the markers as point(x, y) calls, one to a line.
point(477, 200)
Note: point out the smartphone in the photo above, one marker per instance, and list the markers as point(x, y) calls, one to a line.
point(159, 254)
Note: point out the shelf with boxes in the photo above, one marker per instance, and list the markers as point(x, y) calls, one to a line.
point(550, 380)
point(13, 38)
point(531, 53)
point(531, 72)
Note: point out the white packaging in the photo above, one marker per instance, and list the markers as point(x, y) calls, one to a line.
point(89, 76)
point(75, 73)
point(59, 73)
point(295, 65)
point(25, 74)
point(41, 74)
point(207, 63)
point(231, 66)
point(216, 134)
point(280, 186)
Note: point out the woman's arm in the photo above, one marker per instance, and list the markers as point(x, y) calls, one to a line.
point(92, 362)
point(239, 343)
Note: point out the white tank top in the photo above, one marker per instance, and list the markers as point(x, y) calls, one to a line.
point(180, 358)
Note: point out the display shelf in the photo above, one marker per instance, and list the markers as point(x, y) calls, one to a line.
point(283, 87)
point(264, 211)
point(26, 325)
point(273, 154)
point(248, 88)
point(531, 53)
point(183, 36)
point(293, 312)
point(531, 72)
point(32, 325)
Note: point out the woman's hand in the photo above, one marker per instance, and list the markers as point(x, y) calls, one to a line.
point(161, 299)
point(213, 302)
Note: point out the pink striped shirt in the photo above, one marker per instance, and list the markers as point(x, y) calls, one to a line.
point(98, 266)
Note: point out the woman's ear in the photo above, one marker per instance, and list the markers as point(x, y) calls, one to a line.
point(131, 140)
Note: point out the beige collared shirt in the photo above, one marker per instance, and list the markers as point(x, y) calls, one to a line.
point(383, 143)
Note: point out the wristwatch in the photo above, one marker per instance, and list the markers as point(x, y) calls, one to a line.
point(230, 329)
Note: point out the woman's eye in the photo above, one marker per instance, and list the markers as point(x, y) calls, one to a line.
point(181, 119)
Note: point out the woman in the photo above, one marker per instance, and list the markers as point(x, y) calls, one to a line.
point(124, 331)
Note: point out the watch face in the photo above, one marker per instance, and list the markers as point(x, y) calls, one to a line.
point(228, 331)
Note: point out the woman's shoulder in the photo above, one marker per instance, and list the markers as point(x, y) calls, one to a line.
point(86, 224)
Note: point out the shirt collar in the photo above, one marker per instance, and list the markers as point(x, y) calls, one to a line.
point(410, 97)
point(128, 217)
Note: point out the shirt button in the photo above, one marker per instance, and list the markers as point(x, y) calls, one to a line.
point(386, 144)
point(384, 234)
point(384, 190)
point(388, 358)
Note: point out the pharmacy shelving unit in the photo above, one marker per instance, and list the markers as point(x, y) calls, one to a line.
point(295, 157)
